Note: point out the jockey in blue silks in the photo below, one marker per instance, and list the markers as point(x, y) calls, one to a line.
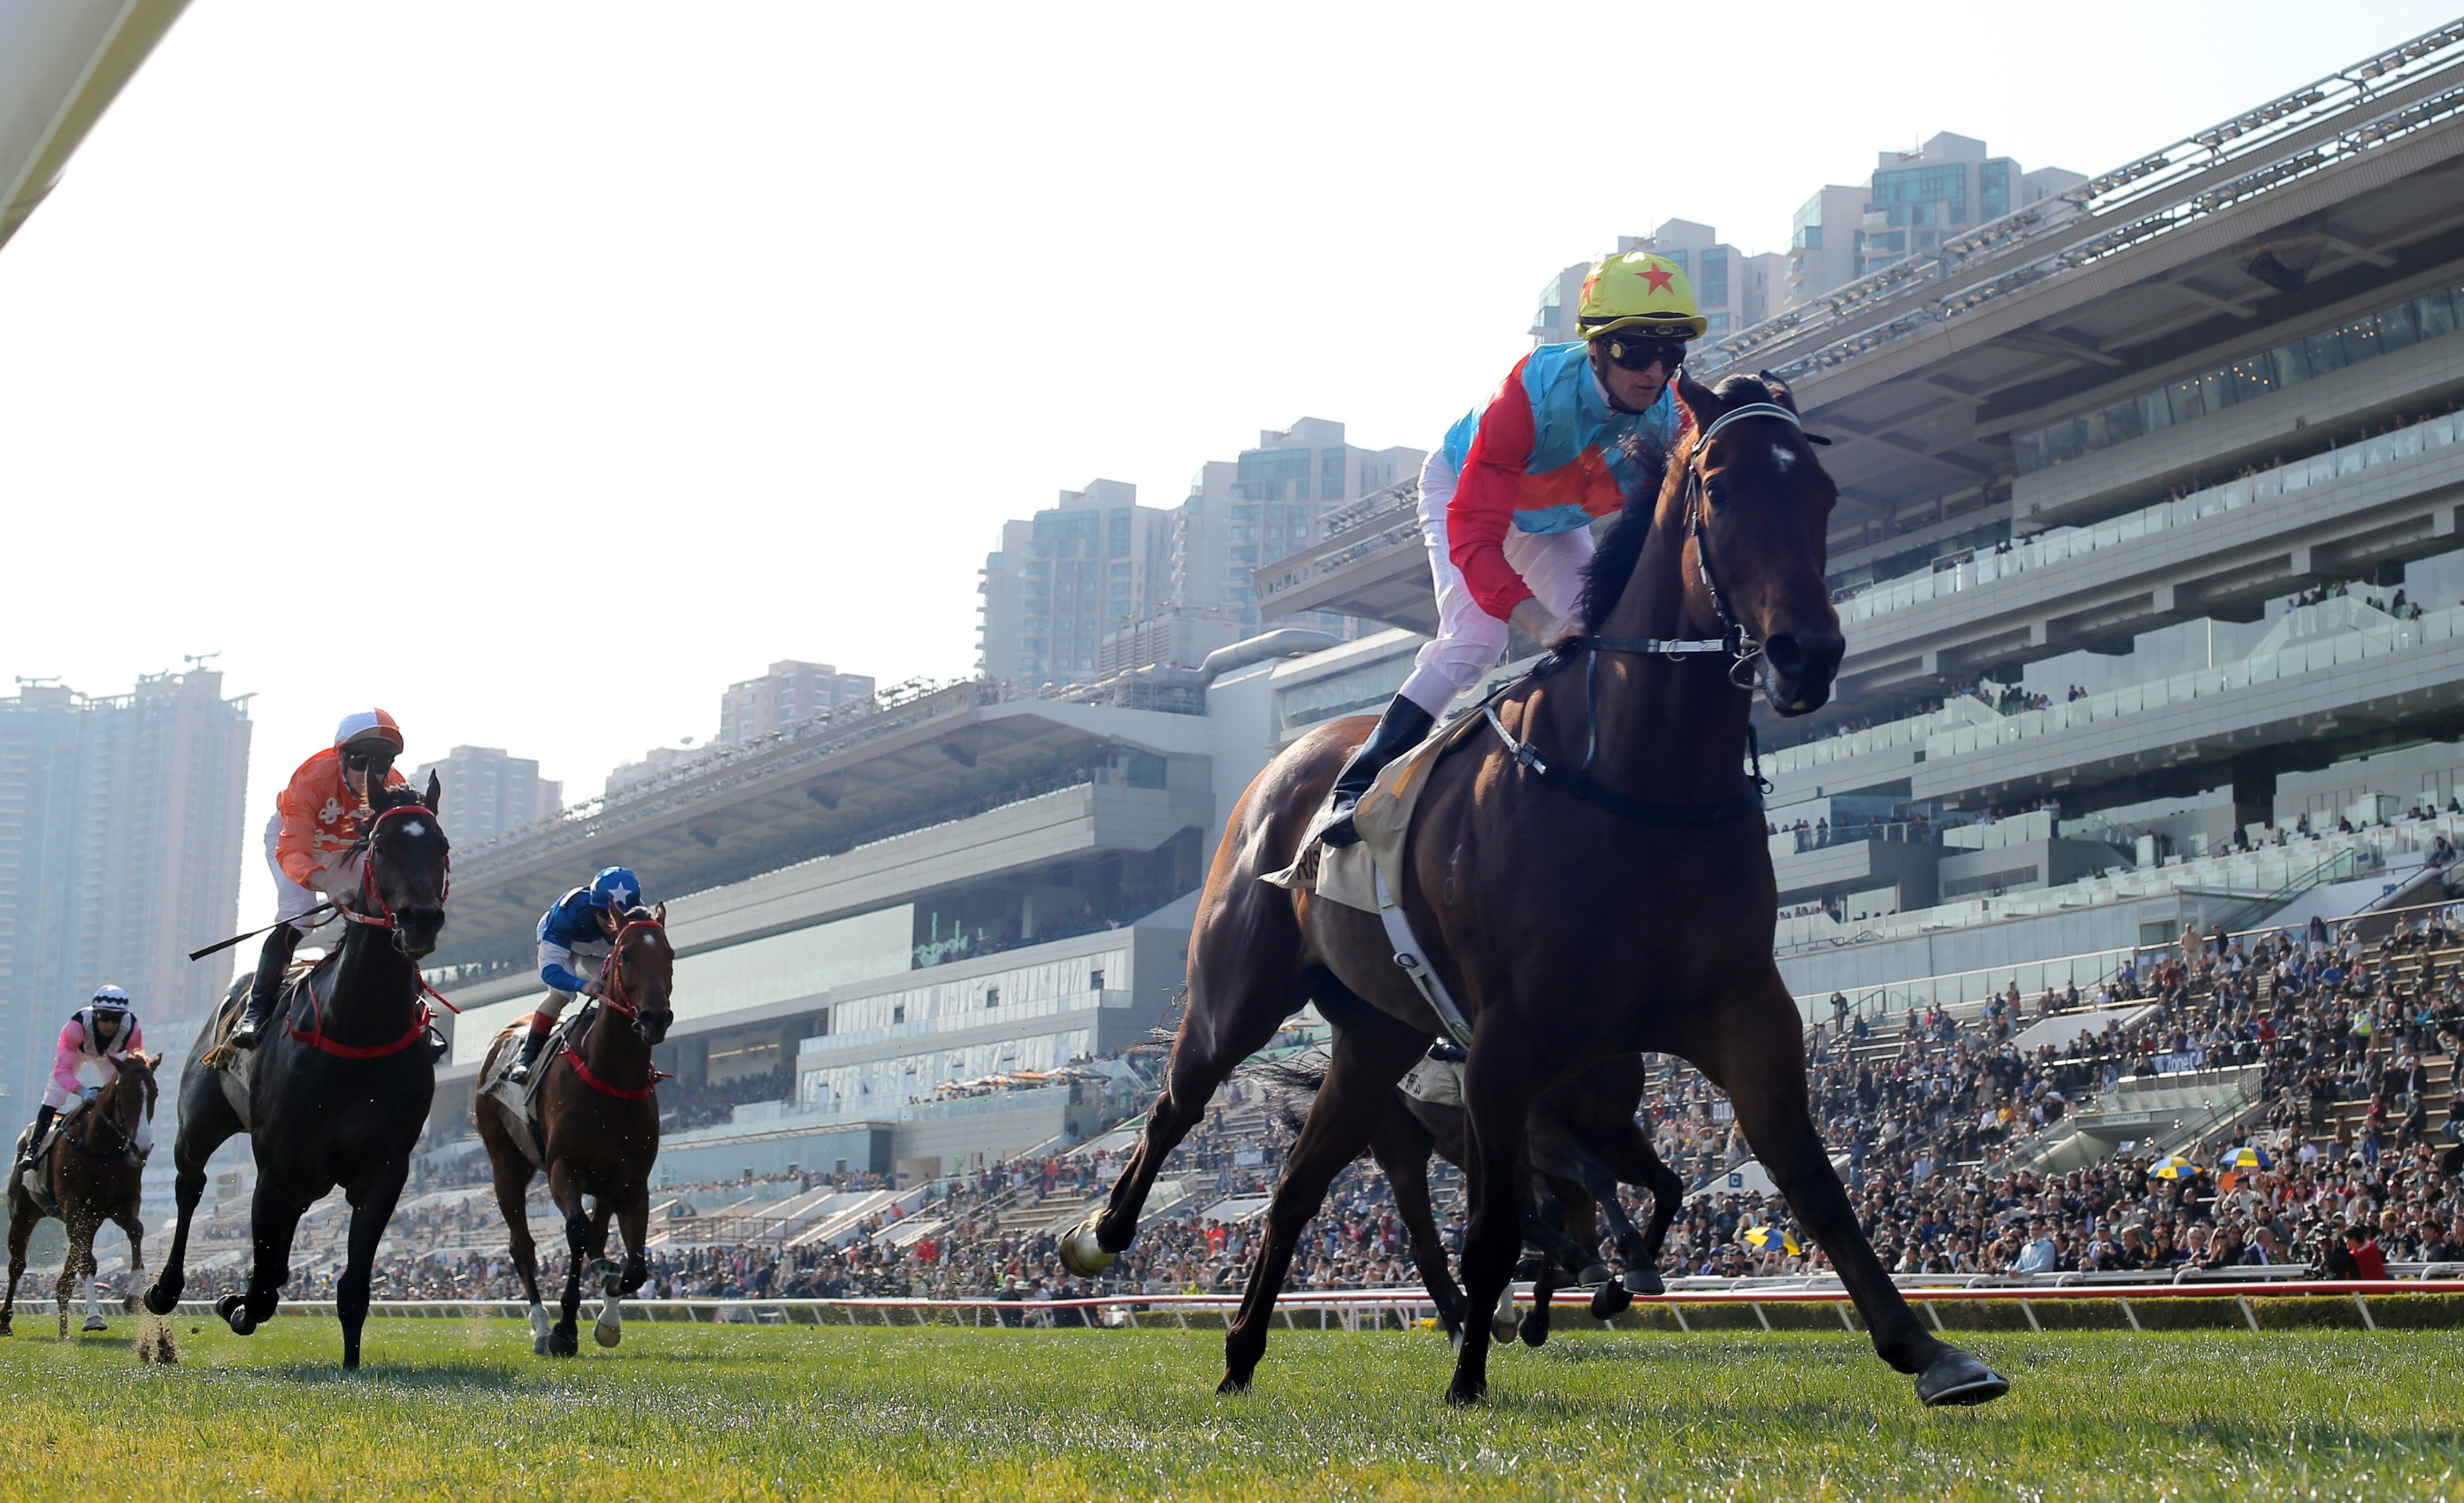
point(578, 929)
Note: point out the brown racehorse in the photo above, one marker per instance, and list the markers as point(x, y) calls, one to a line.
point(93, 1174)
point(1589, 876)
point(599, 1112)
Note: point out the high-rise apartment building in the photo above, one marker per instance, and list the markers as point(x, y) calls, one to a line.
point(788, 693)
point(1732, 288)
point(1914, 201)
point(488, 793)
point(1064, 578)
point(120, 844)
point(1267, 504)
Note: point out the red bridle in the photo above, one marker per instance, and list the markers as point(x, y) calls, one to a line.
point(373, 897)
point(612, 995)
point(370, 895)
point(612, 970)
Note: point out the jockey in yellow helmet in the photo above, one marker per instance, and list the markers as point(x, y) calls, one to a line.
point(1506, 502)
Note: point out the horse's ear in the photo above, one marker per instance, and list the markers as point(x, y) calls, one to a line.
point(435, 793)
point(659, 916)
point(1699, 399)
point(1777, 388)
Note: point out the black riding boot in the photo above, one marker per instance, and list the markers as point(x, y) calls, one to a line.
point(43, 1116)
point(533, 1042)
point(1399, 730)
point(272, 963)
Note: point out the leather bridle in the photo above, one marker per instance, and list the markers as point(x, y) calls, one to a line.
point(1743, 651)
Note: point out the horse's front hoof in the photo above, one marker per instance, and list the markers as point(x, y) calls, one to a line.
point(1081, 1253)
point(1956, 1377)
point(162, 1298)
point(1643, 1281)
point(1534, 1331)
point(233, 1309)
point(1610, 1301)
point(1503, 1325)
point(1466, 1390)
point(1592, 1273)
point(564, 1341)
point(95, 1323)
point(607, 1334)
point(1233, 1382)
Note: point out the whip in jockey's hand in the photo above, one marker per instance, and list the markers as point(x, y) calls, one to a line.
point(104, 1028)
point(1506, 502)
point(312, 845)
point(581, 926)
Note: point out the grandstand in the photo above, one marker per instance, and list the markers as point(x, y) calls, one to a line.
point(2148, 560)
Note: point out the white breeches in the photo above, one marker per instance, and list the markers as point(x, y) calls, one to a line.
point(290, 899)
point(1470, 640)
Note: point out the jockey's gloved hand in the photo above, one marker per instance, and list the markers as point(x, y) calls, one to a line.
point(1542, 625)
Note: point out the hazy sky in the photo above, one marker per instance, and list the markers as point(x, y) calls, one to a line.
point(534, 370)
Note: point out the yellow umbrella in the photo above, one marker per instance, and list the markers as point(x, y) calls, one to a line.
point(1763, 1238)
point(2174, 1166)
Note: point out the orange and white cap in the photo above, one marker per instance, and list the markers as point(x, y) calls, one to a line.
point(367, 725)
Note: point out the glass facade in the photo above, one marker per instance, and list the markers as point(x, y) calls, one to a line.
point(1711, 288)
point(1805, 228)
point(1272, 474)
point(1902, 193)
point(916, 1014)
point(2430, 316)
point(1993, 190)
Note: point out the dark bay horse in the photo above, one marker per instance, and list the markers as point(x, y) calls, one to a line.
point(1584, 1143)
point(338, 1091)
point(93, 1175)
point(598, 1108)
point(1589, 876)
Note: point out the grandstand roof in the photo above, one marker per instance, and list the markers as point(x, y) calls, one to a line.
point(1922, 372)
point(819, 786)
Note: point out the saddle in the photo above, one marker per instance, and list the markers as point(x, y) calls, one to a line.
point(522, 1099)
point(1369, 874)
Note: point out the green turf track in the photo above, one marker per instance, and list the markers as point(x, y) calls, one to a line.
point(704, 1413)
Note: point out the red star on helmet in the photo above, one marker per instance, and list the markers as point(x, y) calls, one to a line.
point(1657, 279)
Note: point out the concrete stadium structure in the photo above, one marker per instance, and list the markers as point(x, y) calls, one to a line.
point(2130, 479)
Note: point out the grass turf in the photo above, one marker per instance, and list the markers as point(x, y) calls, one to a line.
point(707, 1413)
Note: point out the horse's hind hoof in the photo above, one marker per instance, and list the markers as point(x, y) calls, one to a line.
point(1592, 1273)
point(564, 1341)
point(1643, 1281)
point(1534, 1331)
point(607, 1334)
point(161, 1301)
point(233, 1309)
point(95, 1323)
point(1610, 1300)
point(1467, 1392)
point(1081, 1253)
point(1233, 1382)
point(1956, 1377)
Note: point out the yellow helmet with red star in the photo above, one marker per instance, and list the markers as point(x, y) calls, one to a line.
point(1638, 291)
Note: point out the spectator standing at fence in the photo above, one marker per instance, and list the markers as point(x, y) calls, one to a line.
point(2368, 1261)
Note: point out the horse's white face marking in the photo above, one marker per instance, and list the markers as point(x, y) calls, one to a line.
point(414, 830)
point(651, 940)
point(1782, 457)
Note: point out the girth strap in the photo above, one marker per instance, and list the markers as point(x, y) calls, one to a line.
point(1407, 955)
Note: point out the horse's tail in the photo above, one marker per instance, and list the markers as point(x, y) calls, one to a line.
point(1167, 1027)
point(1292, 1084)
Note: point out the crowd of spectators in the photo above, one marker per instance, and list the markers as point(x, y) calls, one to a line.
point(1935, 1116)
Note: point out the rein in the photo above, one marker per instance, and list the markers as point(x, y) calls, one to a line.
point(1734, 642)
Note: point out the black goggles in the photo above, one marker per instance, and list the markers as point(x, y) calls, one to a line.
point(357, 759)
point(1643, 351)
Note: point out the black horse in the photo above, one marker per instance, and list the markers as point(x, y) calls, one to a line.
point(338, 1091)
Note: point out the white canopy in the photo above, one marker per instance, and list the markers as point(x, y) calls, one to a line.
point(61, 64)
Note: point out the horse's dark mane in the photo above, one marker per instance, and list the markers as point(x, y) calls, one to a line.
point(1621, 549)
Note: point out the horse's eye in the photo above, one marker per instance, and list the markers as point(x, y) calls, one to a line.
point(1718, 491)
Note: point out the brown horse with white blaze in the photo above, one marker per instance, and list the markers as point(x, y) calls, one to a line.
point(93, 1175)
point(1588, 874)
point(598, 1109)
